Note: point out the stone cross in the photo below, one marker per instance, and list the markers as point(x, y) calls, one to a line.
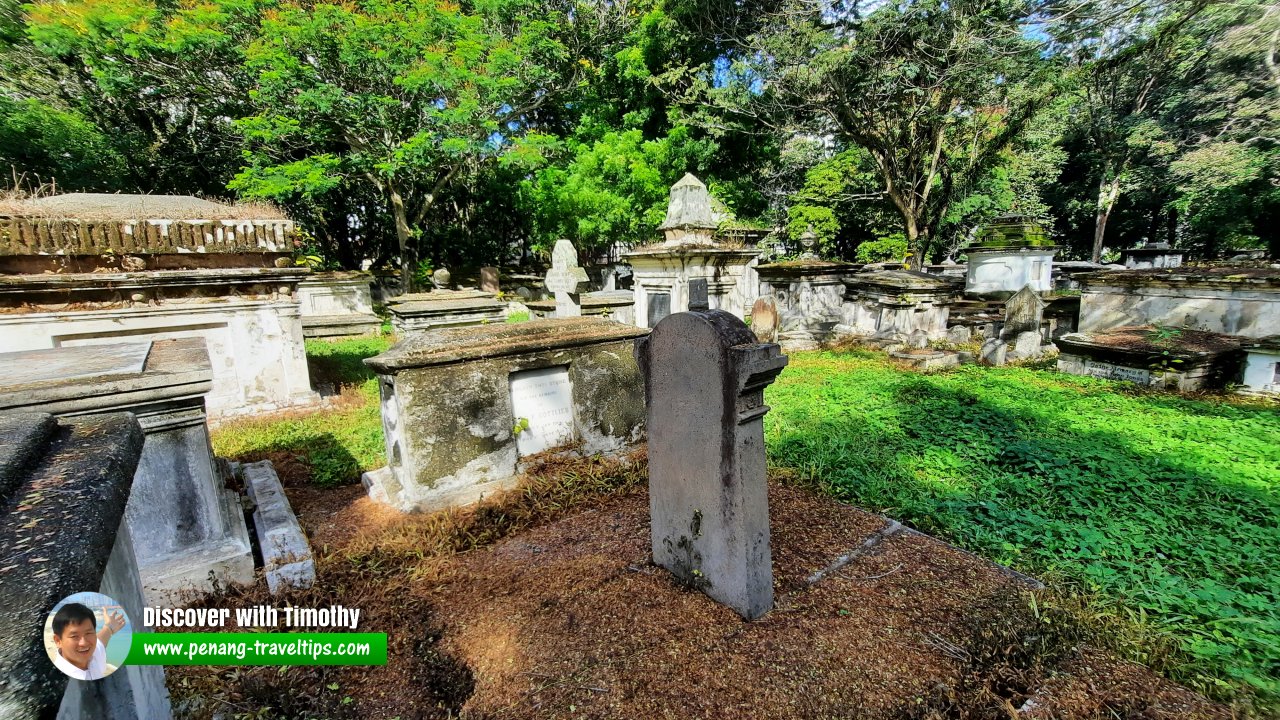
point(705, 375)
point(564, 277)
point(1023, 312)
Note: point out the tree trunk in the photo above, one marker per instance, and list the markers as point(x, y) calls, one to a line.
point(1108, 192)
point(914, 251)
point(402, 237)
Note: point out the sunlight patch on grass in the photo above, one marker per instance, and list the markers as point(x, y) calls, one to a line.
point(1164, 504)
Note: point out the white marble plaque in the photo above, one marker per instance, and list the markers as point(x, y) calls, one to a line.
point(543, 399)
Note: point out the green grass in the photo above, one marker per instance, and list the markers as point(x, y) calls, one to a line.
point(1165, 506)
point(336, 444)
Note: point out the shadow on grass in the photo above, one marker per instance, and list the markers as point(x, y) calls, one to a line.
point(340, 363)
point(1178, 530)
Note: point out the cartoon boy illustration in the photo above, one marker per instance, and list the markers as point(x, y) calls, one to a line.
point(82, 648)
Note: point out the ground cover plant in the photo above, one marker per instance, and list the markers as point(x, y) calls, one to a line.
point(1161, 506)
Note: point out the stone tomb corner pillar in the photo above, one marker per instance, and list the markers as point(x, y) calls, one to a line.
point(705, 375)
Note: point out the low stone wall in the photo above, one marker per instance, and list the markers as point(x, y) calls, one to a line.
point(1231, 301)
point(248, 317)
point(462, 406)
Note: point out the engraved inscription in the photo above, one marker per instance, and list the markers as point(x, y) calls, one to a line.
point(542, 403)
point(1117, 372)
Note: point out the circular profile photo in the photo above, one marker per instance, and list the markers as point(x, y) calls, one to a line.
point(87, 636)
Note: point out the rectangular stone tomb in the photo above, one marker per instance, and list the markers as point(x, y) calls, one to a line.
point(187, 524)
point(1184, 360)
point(64, 487)
point(1231, 301)
point(337, 304)
point(248, 317)
point(462, 406)
point(616, 305)
point(445, 309)
point(897, 303)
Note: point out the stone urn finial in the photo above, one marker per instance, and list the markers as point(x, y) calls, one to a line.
point(808, 240)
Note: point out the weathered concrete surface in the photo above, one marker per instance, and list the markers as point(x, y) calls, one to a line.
point(898, 302)
point(809, 296)
point(62, 531)
point(1005, 270)
point(337, 304)
point(705, 375)
point(1231, 301)
point(448, 412)
point(286, 554)
point(186, 523)
point(248, 317)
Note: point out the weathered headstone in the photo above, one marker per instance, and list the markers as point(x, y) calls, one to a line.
point(994, 351)
point(489, 280)
point(563, 279)
point(765, 319)
point(959, 334)
point(1026, 344)
point(705, 376)
point(698, 295)
point(1023, 312)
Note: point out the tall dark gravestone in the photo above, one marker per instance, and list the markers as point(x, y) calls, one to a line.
point(705, 375)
